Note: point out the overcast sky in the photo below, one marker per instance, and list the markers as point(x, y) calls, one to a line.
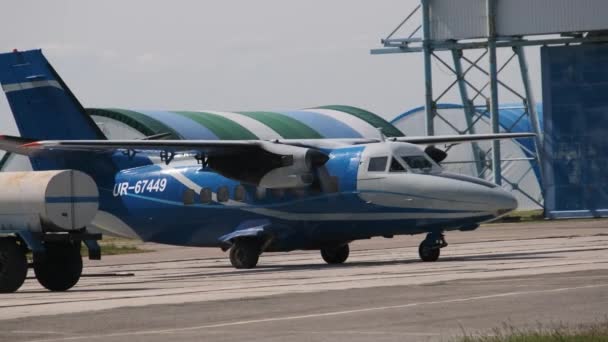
point(225, 55)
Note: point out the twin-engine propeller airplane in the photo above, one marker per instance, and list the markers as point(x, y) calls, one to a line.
point(246, 196)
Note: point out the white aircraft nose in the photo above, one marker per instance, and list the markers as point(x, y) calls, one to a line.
point(503, 202)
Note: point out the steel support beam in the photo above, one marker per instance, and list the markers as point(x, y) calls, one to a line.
point(429, 104)
point(450, 45)
point(493, 71)
point(531, 103)
point(469, 110)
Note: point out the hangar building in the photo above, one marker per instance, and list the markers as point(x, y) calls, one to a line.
point(321, 122)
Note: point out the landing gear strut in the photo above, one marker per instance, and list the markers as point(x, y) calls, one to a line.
point(59, 269)
point(13, 265)
point(429, 249)
point(245, 253)
point(335, 255)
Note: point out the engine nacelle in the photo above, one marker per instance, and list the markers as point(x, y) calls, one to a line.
point(276, 166)
point(47, 200)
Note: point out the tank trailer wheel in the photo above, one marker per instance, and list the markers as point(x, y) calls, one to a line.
point(13, 266)
point(335, 255)
point(245, 253)
point(61, 266)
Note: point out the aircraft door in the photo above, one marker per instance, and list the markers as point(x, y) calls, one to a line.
point(372, 174)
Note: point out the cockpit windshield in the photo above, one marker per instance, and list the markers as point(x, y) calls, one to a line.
point(396, 166)
point(418, 163)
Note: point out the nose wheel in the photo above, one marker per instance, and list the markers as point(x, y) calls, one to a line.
point(430, 249)
point(245, 253)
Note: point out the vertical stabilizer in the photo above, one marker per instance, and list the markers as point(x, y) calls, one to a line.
point(43, 106)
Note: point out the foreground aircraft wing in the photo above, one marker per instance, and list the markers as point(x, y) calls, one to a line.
point(208, 147)
point(225, 147)
point(446, 139)
point(418, 140)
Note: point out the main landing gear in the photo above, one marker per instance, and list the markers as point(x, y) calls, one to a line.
point(245, 253)
point(335, 255)
point(429, 249)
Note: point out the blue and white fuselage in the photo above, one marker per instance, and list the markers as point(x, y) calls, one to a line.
point(171, 203)
point(251, 196)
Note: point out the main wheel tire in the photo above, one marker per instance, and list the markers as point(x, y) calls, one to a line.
point(428, 252)
point(60, 268)
point(245, 254)
point(335, 255)
point(13, 266)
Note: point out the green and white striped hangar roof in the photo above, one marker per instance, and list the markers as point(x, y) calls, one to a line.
point(321, 122)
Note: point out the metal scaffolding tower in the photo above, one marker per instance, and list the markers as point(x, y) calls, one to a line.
point(463, 47)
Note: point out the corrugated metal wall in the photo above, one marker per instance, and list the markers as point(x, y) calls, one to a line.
point(575, 158)
point(465, 19)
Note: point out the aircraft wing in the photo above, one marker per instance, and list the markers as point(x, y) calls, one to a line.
point(207, 147)
point(418, 140)
point(446, 139)
point(225, 147)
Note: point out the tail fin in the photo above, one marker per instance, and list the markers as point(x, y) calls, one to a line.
point(43, 106)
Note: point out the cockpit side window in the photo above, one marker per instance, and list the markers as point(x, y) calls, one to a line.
point(396, 166)
point(377, 164)
point(418, 163)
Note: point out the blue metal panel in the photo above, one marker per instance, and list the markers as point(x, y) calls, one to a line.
point(575, 84)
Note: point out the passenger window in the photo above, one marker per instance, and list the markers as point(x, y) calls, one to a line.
point(206, 195)
point(260, 193)
point(418, 163)
point(277, 193)
point(395, 166)
point(222, 194)
point(377, 164)
point(239, 193)
point(189, 195)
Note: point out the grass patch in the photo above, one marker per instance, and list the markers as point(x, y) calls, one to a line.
point(582, 333)
point(522, 216)
point(116, 246)
point(112, 249)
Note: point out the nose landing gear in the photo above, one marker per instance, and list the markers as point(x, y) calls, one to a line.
point(335, 255)
point(429, 249)
point(245, 253)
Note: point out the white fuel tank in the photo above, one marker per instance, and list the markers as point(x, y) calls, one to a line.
point(47, 200)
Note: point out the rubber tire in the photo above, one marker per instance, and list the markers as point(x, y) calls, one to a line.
point(60, 268)
point(13, 266)
point(427, 253)
point(245, 254)
point(335, 255)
